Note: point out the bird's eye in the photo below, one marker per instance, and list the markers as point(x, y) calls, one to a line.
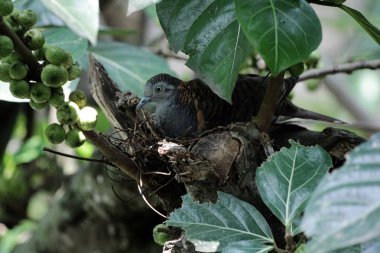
point(158, 89)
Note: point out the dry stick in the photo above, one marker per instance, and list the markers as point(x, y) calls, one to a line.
point(264, 117)
point(113, 154)
point(46, 149)
point(24, 52)
point(343, 68)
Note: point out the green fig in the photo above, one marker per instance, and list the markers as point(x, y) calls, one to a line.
point(87, 118)
point(55, 133)
point(19, 88)
point(37, 106)
point(6, 46)
point(74, 138)
point(40, 93)
point(18, 71)
point(68, 113)
point(54, 76)
point(56, 55)
point(78, 97)
point(34, 39)
point(74, 71)
point(6, 7)
point(4, 72)
point(26, 18)
point(57, 97)
point(161, 234)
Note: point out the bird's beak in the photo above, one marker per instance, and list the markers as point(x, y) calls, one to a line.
point(143, 101)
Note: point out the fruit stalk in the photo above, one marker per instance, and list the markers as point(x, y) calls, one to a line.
point(24, 52)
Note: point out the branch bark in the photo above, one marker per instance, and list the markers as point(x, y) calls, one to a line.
point(343, 68)
point(25, 53)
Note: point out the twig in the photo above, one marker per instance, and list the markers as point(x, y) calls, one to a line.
point(171, 55)
point(343, 68)
point(21, 50)
point(77, 157)
point(115, 155)
point(139, 187)
point(265, 115)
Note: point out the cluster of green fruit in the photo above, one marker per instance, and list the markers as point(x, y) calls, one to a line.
point(56, 67)
point(75, 116)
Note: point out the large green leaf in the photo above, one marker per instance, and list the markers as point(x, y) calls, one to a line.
point(129, 66)
point(81, 16)
point(207, 31)
point(288, 178)
point(135, 5)
point(247, 247)
point(372, 246)
point(212, 226)
point(284, 32)
point(372, 30)
point(344, 210)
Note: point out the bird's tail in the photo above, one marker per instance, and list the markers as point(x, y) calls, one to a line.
point(294, 111)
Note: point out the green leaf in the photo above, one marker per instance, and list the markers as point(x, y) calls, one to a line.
point(283, 32)
point(372, 30)
point(344, 210)
point(207, 31)
point(372, 246)
point(247, 247)
point(212, 226)
point(64, 38)
point(353, 249)
point(80, 16)
point(286, 181)
point(11, 238)
point(129, 66)
point(136, 5)
point(30, 150)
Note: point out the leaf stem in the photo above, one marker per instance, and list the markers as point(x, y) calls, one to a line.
point(290, 245)
point(268, 107)
point(26, 55)
point(278, 250)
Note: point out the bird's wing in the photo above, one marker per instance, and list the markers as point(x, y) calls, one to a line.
point(211, 110)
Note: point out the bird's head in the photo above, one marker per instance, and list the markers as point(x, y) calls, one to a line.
point(159, 89)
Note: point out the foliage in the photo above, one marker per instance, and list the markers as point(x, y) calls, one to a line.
point(211, 227)
point(220, 37)
point(286, 180)
point(341, 213)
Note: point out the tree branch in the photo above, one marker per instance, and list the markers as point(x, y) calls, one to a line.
point(25, 53)
point(113, 154)
point(343, 68)
point(265, 115)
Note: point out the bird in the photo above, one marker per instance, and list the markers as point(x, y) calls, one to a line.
point(187, 108)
